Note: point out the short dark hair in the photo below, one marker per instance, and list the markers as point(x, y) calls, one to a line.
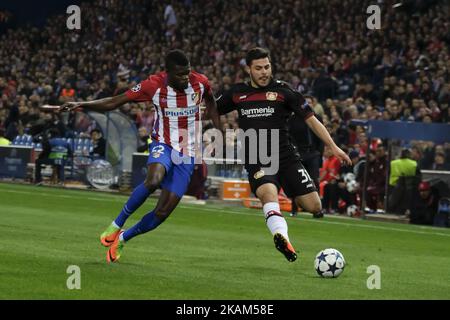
point(96, 130)
point(255, 54)
point(405, 153)
point(176, 58)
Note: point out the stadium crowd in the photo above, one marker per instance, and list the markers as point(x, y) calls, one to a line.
point(322, 48)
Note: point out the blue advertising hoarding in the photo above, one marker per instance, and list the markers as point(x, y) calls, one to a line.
point(14, 160)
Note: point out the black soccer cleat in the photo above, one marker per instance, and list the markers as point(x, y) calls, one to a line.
point(318, 215)
point(284, 247)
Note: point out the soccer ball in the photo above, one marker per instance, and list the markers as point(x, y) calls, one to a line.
point(329, 263)
point(352, 186)
point(349, 177)
point(353, 211)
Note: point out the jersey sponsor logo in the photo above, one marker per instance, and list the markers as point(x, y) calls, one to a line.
point(259, 174)
point(136, 88)
point(258, 112)
point(271, 96)
point(180, 112)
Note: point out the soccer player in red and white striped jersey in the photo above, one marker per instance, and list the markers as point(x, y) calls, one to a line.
point(176, 94)
point(177, 112)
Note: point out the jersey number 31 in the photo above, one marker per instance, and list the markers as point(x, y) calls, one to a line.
point(305, 175)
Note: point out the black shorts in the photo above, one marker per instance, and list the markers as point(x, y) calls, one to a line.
point(292, 177)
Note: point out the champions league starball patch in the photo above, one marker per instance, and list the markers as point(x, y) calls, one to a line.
point(136, 88)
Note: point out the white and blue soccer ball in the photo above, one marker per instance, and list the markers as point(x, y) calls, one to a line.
point(349, 177)
point(329, 263)
point(353, 210)
point(352, 186)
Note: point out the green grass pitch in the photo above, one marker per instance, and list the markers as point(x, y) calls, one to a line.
point(205, 252)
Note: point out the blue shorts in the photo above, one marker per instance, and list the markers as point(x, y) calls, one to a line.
point(179, 167)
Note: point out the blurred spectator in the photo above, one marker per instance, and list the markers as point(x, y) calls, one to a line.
point(148, 118)
point(402, 167)
point(359, 163)
point(55, 152)
point(67, 94)
point(440, 163)
point(144, 140)
point(98, 144)
point(329, 174)
point(376, 180)
point(424, 207)
point(3, 140)
point(403, 181)
point(317, 107)
point(170, 20)
point(416, 155)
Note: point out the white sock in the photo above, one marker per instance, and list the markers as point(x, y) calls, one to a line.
point(115, 225)
point(274, 220)
point(121, 237)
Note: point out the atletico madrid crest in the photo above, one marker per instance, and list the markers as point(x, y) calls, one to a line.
point(196, 97)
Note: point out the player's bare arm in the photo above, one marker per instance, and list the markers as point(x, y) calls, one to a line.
point(100, 105)
point(323, 134)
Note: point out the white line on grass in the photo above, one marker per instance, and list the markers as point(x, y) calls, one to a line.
point(242, 213)
point(330, 222)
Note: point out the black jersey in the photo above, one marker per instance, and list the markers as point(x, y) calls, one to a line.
point(266, 108)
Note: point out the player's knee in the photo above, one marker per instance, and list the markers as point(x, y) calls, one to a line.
point(311, 207)
point(152, 183)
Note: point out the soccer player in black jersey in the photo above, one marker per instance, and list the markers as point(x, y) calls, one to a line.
point(266, 103)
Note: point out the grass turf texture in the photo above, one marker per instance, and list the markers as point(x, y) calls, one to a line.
point(205, 252)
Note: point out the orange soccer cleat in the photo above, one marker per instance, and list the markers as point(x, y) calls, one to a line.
point(115, 250)
point(109, 235)
point(283, 245)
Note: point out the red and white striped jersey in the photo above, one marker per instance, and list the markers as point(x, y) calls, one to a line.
point(177, 121)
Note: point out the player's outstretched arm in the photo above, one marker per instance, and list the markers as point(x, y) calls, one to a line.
point(100, 105)
point(211, 106)
point(323, 134)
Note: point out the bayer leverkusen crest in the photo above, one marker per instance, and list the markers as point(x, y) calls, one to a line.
point(271, 96)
